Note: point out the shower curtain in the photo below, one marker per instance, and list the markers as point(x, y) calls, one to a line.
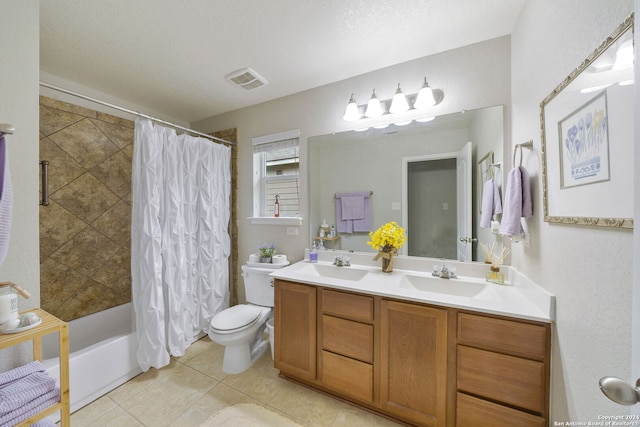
point(180, 241)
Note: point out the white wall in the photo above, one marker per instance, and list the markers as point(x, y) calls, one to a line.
point(471, 77)
point(19, 40)
point(588, 269)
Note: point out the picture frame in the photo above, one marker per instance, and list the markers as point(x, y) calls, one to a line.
point(587, 138)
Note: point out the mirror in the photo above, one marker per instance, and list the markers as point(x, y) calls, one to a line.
point(587, 138)
point(378, 162)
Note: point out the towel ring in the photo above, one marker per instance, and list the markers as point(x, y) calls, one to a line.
point(528, 145)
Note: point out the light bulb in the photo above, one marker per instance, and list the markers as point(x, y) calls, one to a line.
point(425, 97)
point(351, 113)
point(374, 108)
point(399, 102)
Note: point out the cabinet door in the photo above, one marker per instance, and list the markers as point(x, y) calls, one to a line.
point(295, 329)
point(413, 385)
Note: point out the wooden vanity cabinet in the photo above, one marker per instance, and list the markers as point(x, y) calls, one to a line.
point(418, 363)
point(503, 368)
point(413, 362)
point(295, 329)
point(346, 341)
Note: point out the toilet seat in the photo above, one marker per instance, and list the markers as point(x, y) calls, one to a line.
point(237, 318)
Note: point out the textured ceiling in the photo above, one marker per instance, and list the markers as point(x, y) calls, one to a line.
point(171, 56)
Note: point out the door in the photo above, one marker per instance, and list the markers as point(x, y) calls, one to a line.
point(463, 173)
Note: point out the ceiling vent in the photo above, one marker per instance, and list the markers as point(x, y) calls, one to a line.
point(246, 78)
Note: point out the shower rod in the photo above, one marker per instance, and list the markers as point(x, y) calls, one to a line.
point(135, 113)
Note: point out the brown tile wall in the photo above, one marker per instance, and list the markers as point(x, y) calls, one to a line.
point(85, 244)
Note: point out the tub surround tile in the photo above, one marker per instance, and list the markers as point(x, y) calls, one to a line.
point(86, 197)
point(54, 120)
point(115, 173)
point(69, 108)
point(57, 227)
point(63, 169)
point(87, 241)
point(89, 156)
point(115, 223)
point(85, 142)
point(119, 134)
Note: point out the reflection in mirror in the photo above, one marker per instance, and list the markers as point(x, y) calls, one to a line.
point(380, 162)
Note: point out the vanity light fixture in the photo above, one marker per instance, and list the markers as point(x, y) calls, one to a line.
point(425, 98)
point(351, 113)
point(374, 108)
point(399, 102)
point(401, 109)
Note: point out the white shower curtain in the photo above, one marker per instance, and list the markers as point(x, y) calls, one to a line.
point(180, 242)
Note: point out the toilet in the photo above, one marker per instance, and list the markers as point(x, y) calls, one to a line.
point(240, 328)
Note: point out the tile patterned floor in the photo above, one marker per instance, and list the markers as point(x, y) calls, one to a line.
point(193, 387)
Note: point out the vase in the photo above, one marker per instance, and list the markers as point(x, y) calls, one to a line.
point(387, 255)
point(265, 259)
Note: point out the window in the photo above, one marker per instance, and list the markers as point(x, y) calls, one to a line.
point(276, 170)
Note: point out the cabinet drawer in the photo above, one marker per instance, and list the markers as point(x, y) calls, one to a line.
point(349, 338)
point(516, 338)
point(474, 412)
point(347, 376)
point(507, 379)
point(359, 307)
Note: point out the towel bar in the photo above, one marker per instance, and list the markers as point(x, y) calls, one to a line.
point(44, 170)
point(528, 145)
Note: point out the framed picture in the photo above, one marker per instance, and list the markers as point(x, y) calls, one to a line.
point(587, 135)
point(584, 144)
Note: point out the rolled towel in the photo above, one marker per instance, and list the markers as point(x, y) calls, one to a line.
point(20, 372)
point(24, 390)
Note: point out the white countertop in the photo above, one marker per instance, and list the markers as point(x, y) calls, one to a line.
point(519, 298)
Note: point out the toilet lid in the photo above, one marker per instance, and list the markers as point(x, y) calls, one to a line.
point(236, 317)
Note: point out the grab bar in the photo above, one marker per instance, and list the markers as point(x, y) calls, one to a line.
point(44, 171)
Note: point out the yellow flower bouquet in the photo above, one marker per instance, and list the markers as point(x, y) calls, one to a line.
point(387, 240)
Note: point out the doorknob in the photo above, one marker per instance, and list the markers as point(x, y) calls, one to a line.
point(620, 391)
point(468, 239)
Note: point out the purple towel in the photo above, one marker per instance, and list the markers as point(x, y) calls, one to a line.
point(30, 408)
point(353, 225)
point(6, 199)
point(352, 207)
point(517, 202)
point(20, 392)
point(20, 372)
point(491, 203)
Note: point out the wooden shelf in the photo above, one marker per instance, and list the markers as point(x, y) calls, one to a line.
point(333, 241)
point(50, 325)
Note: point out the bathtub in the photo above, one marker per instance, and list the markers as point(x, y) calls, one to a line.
point(102, 349)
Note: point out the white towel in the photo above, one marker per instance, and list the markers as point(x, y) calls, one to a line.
point(517, 202)
point(491, 203)
point(6, 199)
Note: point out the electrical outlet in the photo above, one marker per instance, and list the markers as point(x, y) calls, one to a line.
point(292, 231)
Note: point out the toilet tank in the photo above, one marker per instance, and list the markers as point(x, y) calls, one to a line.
point(258, 285)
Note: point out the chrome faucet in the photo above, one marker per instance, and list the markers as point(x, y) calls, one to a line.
point(340, 261)
point(444, 272)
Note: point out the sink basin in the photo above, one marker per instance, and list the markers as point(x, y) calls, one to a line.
point(330, 271)
point(452, 287)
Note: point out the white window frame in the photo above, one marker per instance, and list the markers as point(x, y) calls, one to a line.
point(259, 183)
